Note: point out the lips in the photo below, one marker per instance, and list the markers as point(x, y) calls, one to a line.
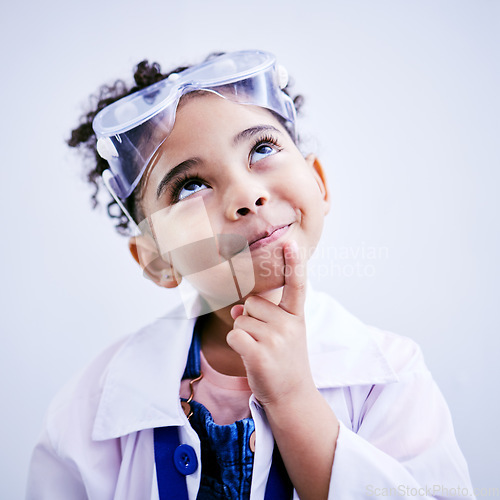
point(268, 236)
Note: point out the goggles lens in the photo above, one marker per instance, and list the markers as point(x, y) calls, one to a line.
point(131, 130)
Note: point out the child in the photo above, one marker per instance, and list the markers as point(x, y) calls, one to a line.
point(266, 388)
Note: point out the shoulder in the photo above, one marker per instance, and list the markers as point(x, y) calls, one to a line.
point(403, 353)
point(75, 406)
point(86, 385)
point(356, 353)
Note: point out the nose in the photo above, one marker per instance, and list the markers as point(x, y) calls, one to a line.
point(243, 197)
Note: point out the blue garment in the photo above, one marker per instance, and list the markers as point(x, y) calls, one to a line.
point(226, 458)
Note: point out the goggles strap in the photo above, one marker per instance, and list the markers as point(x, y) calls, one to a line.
point(107, 178)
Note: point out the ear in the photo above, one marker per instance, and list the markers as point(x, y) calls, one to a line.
point(319, 174)
point(156, 268)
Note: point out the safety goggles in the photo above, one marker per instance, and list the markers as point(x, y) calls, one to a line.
point(130, 131)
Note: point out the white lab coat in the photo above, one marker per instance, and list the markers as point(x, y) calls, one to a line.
point(396, 434)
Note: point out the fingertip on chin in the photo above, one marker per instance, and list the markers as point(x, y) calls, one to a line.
point(291, 249)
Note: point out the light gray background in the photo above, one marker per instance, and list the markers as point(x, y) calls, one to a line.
point(402, 107)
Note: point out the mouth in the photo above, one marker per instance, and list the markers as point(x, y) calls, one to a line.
point(269, 236)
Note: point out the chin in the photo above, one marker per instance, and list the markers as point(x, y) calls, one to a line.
point(268, 284)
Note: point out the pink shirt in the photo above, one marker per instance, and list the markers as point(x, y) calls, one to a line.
point(226, 397)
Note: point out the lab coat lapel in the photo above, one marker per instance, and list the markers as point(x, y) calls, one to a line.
point(141, 385)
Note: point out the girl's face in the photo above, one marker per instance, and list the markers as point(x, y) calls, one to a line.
point(231, 169)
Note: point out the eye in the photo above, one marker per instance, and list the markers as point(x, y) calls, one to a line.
point(264, 147)
point(185, 185)
point(190, 187)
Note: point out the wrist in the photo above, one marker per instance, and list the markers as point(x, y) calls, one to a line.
point(289, 403)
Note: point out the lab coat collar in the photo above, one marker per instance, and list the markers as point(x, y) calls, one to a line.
point(140, 388)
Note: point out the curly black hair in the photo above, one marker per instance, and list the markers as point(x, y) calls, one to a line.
point(84, 139)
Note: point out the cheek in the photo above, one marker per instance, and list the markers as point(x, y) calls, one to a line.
point(303, 193)
point(183, 225)
point(309, 204)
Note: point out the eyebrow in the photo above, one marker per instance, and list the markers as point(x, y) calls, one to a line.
point(187, 165)
point(250, 132)
point(177, 171)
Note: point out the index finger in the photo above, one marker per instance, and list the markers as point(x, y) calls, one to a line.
point(294, 291)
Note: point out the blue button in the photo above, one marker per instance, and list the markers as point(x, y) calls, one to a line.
point(185, 460)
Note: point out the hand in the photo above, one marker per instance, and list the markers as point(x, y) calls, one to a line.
point(271, 339)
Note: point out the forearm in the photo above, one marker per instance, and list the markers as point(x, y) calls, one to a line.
point(306, 430)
